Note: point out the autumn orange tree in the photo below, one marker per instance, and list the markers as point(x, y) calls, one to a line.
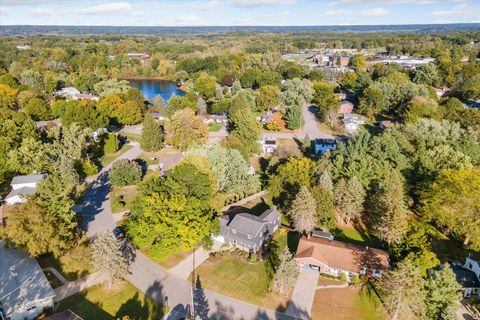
point(276, 122)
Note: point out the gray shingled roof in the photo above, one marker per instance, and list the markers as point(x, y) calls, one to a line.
point(21, 276)
point(25, 191)
point(247, 223)
point(466, 278)
point(31, 178)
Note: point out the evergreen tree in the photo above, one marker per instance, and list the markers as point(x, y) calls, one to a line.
point(404, 290)
point(349, 198)
point(108, 257)
point(286, 273)
point(294, 117)
point(152, 135)
point(443, 292)
point(388, 210)
point(303, 211)
point(325, 207)
point(111, 143)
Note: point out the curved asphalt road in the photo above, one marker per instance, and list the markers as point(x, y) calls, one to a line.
point(155, 281)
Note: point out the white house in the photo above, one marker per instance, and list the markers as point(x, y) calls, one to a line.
point(74, 94)
point(23, 186)
point(24, 291)
point(268, 145)
point(468, 276)
point(352, 122)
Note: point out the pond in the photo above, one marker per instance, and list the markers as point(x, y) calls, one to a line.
point(150, 88)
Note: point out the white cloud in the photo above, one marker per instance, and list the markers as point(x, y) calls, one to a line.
point(43, 12)
point(267, 19)
point(458, 10)
point(259, 3)
point(204, 5)
point(336, 13)
point(376, 12)
point(114, 7)
point(28, 2)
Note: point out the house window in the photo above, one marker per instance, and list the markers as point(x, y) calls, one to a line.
point(234, 231)
point(377, 273)
point(475, 290)
point(363, 270)
point(470, 266)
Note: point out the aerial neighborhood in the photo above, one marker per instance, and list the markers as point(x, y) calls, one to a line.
point(269, 167)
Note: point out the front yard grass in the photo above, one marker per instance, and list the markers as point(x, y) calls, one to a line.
point(74, 264)
point(122, 300)
point(110, 157)
point(168, 261)
point(352, 303)
point(121, 198)
point(239, 279)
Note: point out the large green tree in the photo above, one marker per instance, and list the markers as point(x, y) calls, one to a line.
point(152, 135)
point(453, 201)
point(303, 211)
point(185, 129)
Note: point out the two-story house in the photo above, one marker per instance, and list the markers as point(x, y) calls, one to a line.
point(246, 231)
point(468, 276)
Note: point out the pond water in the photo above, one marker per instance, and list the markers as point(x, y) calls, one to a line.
point(151, 88)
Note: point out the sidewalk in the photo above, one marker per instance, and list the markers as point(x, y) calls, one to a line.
point(185, 267)
point(76, 286)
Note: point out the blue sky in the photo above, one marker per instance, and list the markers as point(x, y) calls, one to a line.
point(236, 12)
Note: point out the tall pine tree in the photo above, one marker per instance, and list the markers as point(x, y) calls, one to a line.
point(303, 211)
point(152, 135)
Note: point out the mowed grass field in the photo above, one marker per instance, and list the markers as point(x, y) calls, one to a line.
point(123, 299)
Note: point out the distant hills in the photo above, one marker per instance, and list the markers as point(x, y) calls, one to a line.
point(29, 30)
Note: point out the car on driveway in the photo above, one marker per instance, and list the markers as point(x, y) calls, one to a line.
point(119, 233)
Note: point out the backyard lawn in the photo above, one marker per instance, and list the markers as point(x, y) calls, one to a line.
point(131, 136)
point(123, 299)
point(108, 158)
point(352, 303)
point(215, 127)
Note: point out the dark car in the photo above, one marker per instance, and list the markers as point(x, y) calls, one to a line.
point(119, 233)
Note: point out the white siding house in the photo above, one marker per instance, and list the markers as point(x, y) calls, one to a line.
point(23, 186)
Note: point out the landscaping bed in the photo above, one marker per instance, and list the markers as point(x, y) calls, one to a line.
point(122, 300)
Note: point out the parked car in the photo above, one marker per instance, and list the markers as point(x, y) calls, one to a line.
point(119, 233)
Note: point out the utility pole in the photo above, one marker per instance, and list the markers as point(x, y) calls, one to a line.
point(193, 285)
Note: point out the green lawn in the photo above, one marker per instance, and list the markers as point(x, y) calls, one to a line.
point(242, 280)
point(131, 136)
point(353, 235)
point(123, 299)
point(284, 238)
point(72, 265)
point(215, 127)
point(108, 158)
point(169, 260)
point(352, 303)
point(121, 198)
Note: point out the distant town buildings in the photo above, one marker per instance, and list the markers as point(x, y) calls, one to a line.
point(139, 55)
point(23, 47)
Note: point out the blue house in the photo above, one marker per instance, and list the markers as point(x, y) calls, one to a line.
point(322, 145)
